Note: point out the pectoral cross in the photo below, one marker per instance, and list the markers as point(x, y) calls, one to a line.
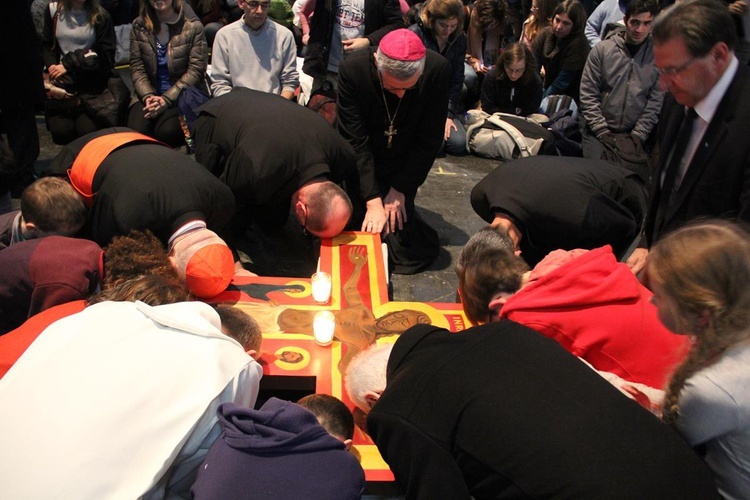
point(389, 134)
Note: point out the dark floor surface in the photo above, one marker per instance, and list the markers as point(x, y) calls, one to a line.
point(443, 201)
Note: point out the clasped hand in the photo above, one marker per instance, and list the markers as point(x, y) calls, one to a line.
point(56, 71)
point(154, 106)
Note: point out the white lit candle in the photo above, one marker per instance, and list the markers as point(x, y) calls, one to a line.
point(321, 287)
point(323, 325)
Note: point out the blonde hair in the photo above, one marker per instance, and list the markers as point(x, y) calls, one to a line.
point(705, 269)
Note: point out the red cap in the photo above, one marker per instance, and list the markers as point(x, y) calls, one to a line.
point(402, 45)
point(209, 271)
point(205, 261)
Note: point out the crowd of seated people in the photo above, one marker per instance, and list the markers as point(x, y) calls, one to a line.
point(608, 312)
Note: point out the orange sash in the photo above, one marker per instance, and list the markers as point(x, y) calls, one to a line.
point(81, 174)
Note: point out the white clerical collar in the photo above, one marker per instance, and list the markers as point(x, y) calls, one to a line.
point(16, 234)
point(706, 108)
point(186, 228)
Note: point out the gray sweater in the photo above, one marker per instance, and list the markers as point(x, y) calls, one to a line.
point(263, 60)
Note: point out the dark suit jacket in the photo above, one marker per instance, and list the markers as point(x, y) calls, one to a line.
point(564, 203)
point(717, 181)
point(148, 186)
point(498, 411)
point(265, 147)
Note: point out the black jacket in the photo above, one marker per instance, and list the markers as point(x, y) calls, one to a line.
point(505, 96)
point(564, 202)
point(499, 411)
point(148, 186)
point(717, 181)
point(455, 53)
point(84, 74)
point(265, 147)
point(419, 121)
point(381, 17)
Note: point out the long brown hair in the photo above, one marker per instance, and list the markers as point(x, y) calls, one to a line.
point(148, 14)
point(705, 269)
point(540, 19)
point(435, 10)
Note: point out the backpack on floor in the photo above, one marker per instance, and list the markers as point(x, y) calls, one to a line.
point(504, 136)
point(323, 102)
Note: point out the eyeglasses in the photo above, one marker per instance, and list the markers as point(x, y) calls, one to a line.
point(679, 69)
point(254, 5)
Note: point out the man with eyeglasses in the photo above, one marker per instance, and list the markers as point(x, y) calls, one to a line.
point(620, 95)
point(392, 107)
point(703, 167)
point(255, 53)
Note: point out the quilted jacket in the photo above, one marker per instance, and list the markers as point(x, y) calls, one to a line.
point(187, 55)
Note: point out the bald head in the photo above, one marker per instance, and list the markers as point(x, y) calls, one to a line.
point(323, 208)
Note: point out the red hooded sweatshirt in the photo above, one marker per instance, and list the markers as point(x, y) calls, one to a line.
point(596, 308)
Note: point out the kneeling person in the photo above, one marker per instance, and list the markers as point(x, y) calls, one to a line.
point(498, 411)
point(130, 182)
point(274, 154)
point(277, 452)
point(391, 108)
point(133, 416)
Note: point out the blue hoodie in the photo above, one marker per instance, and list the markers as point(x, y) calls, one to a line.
point(277, 452)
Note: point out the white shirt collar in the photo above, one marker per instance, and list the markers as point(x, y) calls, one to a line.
point(706, 108)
